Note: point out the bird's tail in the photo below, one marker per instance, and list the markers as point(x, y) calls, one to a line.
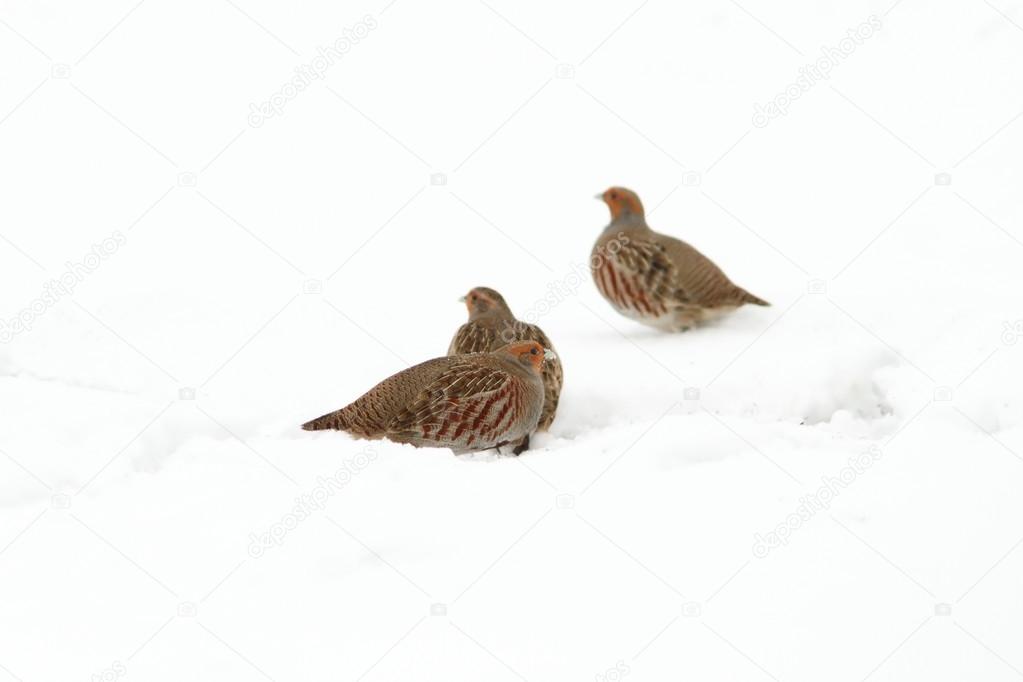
point(747, 297)
point(331, 420)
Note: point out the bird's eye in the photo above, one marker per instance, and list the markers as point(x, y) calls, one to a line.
point(614, 195)
point(472, 297)
point(533, 351)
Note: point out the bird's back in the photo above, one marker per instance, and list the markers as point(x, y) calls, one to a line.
point(369, 415)
point(698, 276)
point(475, 337)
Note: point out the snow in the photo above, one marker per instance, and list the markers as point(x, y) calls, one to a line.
point(824, 489)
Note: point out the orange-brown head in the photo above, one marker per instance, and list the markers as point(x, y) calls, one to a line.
point(528, 353)
point(482, 300)
point(622, 202)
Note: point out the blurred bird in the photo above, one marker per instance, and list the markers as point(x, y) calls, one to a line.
point(655, 279)
point(491, 325)
point(463, 402)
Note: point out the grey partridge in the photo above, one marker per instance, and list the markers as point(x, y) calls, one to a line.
point(655, 279)
point(491, 325)
point(463, 402)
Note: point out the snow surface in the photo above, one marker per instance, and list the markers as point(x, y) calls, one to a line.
point(827, 489)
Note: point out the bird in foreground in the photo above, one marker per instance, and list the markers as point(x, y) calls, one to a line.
point(491, 325)
point(463, 402)
point(655, 279)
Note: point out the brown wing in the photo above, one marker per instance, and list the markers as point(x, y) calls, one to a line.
point(473, 338)
point(468, 406)
point(702, 281)
point(639, 277)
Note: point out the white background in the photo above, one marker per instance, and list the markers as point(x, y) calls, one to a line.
point(624, 541)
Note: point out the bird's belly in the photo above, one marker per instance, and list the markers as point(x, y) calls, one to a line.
point(627, 292)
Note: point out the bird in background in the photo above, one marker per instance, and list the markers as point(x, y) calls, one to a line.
point(491, 325)
point(655, 279)
point(463, 402)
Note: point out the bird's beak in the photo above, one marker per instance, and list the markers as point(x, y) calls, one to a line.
point(548, 354)
point(461, 299)
point(599, 196)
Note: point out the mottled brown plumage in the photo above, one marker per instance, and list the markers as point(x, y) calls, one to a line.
point(491, 325)
point(656, 279)
point(464, 402)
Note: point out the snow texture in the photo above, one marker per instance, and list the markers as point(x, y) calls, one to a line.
point(223, 218)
